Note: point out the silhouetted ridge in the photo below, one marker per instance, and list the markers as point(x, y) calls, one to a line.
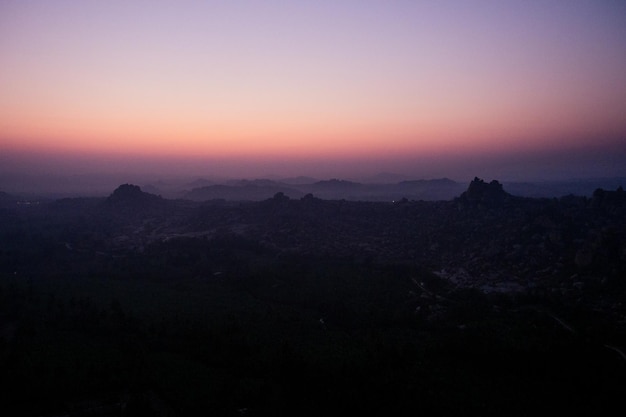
point(481, 192)
point(250, 190)
point(336, 183)
point(439, 182)
point(132, 194)
point(280, 196)
point(300, 180)
point(609, 198)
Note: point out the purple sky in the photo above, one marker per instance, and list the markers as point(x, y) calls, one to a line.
point(504, 89)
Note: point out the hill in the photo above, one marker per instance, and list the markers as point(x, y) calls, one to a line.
point(484, 304)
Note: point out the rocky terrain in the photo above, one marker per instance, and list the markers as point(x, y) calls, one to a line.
point(485, 238)
point(487, 268)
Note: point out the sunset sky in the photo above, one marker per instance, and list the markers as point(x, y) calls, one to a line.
point(324, 88)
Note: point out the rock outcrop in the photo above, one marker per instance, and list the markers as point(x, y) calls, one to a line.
point(489, 194)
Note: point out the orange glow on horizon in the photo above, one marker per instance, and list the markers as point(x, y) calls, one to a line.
point(263, 81)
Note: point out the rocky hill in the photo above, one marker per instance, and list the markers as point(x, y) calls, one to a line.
point(228, 307)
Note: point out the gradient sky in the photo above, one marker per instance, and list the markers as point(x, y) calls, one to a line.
point(325, 88)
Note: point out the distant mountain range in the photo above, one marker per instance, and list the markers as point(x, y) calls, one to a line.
point(334, 189)
point(381, 187)
point(426, 190)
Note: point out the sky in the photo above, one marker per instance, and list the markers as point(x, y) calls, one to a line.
point(502, 89)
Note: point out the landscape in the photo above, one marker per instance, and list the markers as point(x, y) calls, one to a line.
point(486, 303)
point(312, 208)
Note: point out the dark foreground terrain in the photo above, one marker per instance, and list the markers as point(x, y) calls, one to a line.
point(488, 304)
